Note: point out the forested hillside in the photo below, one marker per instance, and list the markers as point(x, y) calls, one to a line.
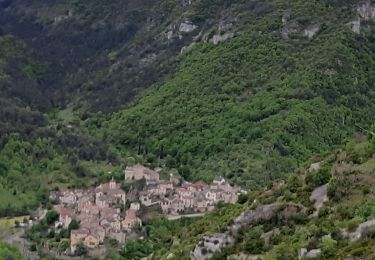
point(278, 223)
point(256, 106)
point(246, 89)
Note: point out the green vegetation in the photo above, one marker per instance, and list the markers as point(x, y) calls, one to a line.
point(9, 253)
point(253, 109)
point(176, 239)
point(256, 106)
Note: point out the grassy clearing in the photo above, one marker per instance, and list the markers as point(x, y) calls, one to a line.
point(7, 225)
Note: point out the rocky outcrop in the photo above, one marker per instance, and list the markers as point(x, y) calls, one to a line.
point(210, 244)
point(355, 26)
point(366, 11)
point(303, 253)
point(314, 167)
point(319, 196)
point(364, 229)
point(288, 26)
point(217, 38)
point(187, 27)
point(213, 243)
point(311, 31)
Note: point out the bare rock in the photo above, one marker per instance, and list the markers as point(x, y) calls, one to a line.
point(319, 197)
point(366, 11)
point(216, 39)
point(355, 26)
point(314, 167)
point(362, 230)
point(311, 31)
point(187, 27)
point(209, 245)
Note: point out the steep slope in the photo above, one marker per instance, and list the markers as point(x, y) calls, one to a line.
point(102, 54)
point(257, 105)
point(280, 222)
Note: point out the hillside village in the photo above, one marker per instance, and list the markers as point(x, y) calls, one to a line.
point(101, 211)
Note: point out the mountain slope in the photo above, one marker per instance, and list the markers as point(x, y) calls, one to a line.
point(278, 222)
point(257, 105)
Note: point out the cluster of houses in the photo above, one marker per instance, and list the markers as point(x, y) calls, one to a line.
point(175, 198)
point(100, 211)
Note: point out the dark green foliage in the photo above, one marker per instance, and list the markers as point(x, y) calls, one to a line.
point(51, 217)
point(253, 244)
point(74, 224)
point(318, 178)
point(294, 182)
point(81, 250)
point(254, 106)
point(136, 249)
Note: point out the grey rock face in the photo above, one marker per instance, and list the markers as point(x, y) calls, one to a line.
point(211, 244)
point(361, 231)
point(187, 27)
point(366, 11)
point(311, 31)
point(216, 39)
point(319, 196)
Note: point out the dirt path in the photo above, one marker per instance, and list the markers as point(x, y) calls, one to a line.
point(22, 244)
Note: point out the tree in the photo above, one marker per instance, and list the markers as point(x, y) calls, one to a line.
point(328, 246)
point(51, 217)
point(74, 224)
point(81, 250)
point(294, 182)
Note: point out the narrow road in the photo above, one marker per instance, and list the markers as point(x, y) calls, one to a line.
point(175, 217)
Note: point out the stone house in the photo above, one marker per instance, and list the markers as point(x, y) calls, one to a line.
point(65, 216)
point(211, 195)
point(183, 192)
point(135, 206)
point(166, 204)
point(145, 198)
point(83, 202)
point(130, 220)
point(76, 237)
point(68, 197)
point(189, 201)
point(93, 225)
point(109, 213)
point(203, 205)
point(119, 236)
point(218, 180)
point(91, 241)
point(177, 206)
point(138, 172)
point(109, 194)
point(90, 209)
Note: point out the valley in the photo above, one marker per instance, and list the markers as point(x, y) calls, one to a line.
point(275, 97)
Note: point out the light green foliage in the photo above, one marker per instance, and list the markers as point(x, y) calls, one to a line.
point(255, 106)
point(9, 253)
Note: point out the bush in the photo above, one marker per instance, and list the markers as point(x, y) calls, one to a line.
point(51, 217)
point(319, 178)
point(32, 248)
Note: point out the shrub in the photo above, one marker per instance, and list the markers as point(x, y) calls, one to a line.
point(51, 217)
